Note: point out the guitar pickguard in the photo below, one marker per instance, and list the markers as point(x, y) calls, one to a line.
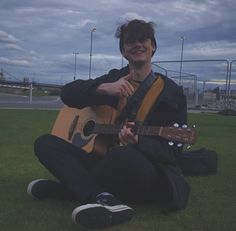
point(78, 140)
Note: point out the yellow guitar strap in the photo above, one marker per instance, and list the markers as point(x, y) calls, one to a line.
point(148, 100)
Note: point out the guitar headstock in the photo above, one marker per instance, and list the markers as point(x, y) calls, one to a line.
point(183, 135)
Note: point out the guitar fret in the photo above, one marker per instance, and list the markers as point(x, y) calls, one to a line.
point(106, 129)
point(149, 130)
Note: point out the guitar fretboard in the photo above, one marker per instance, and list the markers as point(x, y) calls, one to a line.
point(114, 129)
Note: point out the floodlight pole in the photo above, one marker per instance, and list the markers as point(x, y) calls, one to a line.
point(75, 53)
point(91, 50)
point(181, 60)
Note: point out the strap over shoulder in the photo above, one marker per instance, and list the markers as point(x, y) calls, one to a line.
point(130, 110)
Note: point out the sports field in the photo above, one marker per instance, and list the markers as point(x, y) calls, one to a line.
point(212, 204)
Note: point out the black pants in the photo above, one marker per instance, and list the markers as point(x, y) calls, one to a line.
point(123, 171)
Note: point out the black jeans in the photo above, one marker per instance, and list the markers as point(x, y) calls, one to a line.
point(123, 171)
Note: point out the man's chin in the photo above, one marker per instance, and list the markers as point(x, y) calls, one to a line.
point(138, 63)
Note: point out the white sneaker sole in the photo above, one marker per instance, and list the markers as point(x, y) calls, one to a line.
point(30, 186)
point(96, 216)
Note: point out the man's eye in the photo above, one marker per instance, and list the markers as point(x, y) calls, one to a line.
point(129, 41)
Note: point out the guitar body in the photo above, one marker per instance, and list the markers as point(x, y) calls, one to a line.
point(73, 125)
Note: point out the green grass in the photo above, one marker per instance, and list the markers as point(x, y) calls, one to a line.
point(211, 205)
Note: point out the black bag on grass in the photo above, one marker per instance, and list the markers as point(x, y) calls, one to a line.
point(198, 162)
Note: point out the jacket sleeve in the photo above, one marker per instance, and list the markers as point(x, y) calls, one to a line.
point(81, 93)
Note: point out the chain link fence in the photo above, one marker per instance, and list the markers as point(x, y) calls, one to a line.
point(207, 84)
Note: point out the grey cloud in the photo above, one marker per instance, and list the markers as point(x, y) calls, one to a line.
point(7, 38)
point(14, 62)
point(54, 29)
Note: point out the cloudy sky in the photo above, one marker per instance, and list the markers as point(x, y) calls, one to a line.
point(38, 38)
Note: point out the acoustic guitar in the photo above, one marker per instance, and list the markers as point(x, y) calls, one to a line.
point(91, 128)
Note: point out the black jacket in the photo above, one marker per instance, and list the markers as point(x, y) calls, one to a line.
point(169, 108)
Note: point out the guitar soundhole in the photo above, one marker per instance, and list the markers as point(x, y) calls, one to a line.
point(88, 128)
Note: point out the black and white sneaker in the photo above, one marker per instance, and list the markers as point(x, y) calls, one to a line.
point(46, 189)
point(107, 211)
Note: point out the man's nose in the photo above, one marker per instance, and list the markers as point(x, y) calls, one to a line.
point(137, 43)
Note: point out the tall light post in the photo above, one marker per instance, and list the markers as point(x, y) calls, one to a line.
point(75, 53)
point(181, 59)
point(91, 50)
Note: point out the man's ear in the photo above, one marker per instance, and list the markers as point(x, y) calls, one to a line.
point(123, 53)
point(154, 48)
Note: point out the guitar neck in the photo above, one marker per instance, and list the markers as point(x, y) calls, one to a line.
point(114, 129)
point(183, 135)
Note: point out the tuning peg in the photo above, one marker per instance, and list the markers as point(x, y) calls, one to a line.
point(184, 126)
point(171, 143)
point(179, 145)
point(188, 147)
point(176, 125)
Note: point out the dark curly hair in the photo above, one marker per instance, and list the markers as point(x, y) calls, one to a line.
point(136, 30)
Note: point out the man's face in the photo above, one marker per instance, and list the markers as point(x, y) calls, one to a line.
point(138, 52)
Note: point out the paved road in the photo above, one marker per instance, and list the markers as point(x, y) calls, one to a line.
point(44, 102)
point(17, 101)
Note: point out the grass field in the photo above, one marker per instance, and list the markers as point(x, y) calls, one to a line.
point(212, 204)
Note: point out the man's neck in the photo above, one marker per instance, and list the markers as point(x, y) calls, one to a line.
point(141, 72)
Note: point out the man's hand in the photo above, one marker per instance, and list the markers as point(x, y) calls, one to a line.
point(126, 135)
point(120, 88)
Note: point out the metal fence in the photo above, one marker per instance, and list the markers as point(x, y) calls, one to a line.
point(208, 84)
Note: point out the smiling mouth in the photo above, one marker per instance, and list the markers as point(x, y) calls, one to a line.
point(138, 51)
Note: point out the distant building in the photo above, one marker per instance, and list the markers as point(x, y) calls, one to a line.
point(232, 93)
point(26, 79)
point(186, 90)
point(209, 95)
point(2, 76)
